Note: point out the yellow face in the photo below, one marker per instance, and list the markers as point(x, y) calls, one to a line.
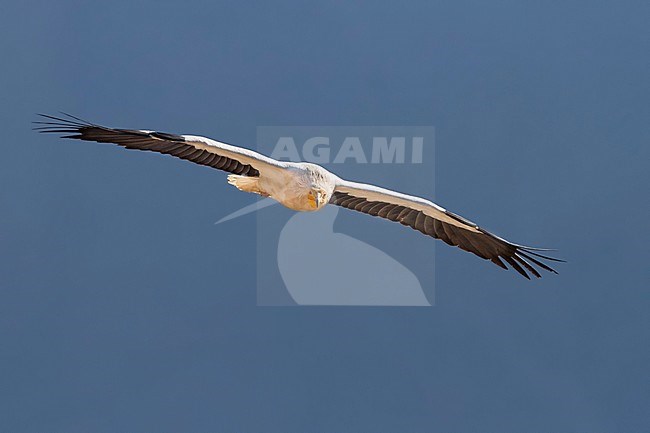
point(317, 198)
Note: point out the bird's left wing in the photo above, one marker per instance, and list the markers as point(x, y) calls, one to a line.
point(437, 222)
point(200, 150)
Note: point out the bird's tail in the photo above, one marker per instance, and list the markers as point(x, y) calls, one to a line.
point(246, 183)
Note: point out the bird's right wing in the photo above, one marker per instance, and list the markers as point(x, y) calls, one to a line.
point(200, 150)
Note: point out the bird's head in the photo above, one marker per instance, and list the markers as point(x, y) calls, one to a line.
point(317, 197)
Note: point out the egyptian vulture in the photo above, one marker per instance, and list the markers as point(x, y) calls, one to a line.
point(307, 187)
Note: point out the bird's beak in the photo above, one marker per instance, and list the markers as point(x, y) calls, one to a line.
point(316, 199)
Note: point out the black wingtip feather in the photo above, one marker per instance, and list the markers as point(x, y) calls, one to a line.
point(499, 263)
point(516, 266)
point(537, 262)
point(64, 121)
point(527, 265)
point(85, 122)
point(543, 256)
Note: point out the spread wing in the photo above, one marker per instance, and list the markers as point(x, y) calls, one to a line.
point(200, 150)
point(437, 222)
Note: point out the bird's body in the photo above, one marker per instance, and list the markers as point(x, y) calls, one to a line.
point(307, 187)
point(299, 185)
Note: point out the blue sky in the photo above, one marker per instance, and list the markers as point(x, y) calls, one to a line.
point(123, 308)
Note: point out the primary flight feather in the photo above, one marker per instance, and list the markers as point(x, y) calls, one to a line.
point(308, 187)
